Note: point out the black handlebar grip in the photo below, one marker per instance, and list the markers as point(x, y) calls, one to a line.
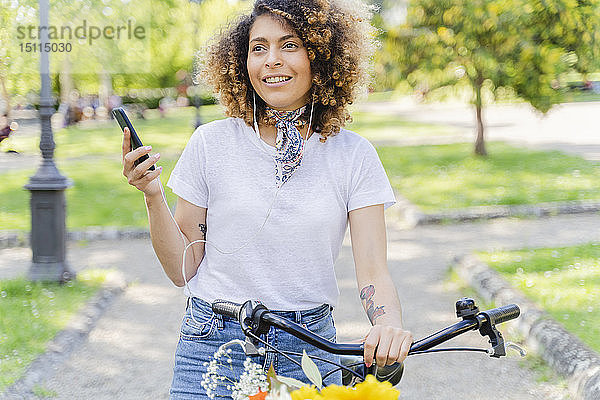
point(503, 314)
point(226, 308)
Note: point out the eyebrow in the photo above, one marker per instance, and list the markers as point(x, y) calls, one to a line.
point(262, 39)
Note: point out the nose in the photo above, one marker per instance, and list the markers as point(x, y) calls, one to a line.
point(273, 59)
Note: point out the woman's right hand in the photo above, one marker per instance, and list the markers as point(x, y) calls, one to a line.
point(139, 176)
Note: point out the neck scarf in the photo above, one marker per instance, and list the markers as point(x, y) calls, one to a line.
point(289, 144)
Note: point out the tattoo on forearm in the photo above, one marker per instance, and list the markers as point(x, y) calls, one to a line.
point(373, 312)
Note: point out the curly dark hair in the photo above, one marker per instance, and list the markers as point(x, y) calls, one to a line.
point(339, 40)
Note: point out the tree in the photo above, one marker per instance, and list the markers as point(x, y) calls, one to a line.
point(519, 45)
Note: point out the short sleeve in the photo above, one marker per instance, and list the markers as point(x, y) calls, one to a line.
point(188, 179)
point(369, 184)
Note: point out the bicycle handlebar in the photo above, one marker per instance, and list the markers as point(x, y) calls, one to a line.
point(234, 310)
point(256, 319)
point(503, 314)
point(227, 308)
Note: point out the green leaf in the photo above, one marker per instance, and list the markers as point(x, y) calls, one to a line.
point(274, 383)
point(291, 382)
point(311, 370)
point(271, 375)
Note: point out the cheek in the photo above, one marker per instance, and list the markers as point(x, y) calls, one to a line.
point(252, 73)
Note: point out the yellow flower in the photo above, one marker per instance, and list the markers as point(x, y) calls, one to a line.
point(370, 389)
point(334, 392)
point(304, 393)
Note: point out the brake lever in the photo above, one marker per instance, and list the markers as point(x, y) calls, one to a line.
point(252, 325)
point(496, 339)
point(521, 350)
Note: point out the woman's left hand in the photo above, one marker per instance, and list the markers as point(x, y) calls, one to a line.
point(391, 343)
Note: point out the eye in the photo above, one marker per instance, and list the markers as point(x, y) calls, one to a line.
point(290, 45)
point(258, 47)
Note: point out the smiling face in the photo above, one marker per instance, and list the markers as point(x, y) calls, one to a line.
point(278, 64)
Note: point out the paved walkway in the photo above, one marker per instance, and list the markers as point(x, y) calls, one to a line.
point(129, 354)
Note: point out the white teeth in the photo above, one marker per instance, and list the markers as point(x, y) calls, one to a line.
point(277, 79)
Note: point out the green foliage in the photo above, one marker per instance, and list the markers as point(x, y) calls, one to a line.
point(31, 313)
point(564, 281)
point(518, 45)
point(169, 45)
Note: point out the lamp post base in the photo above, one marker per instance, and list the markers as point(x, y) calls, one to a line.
point(48, 234)
point(50, 271)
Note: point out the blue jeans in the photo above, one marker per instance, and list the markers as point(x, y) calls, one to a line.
point(201, 338)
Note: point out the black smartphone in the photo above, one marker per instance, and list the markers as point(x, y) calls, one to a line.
point(123, 120)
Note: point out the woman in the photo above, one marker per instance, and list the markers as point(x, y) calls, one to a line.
point(273, 188)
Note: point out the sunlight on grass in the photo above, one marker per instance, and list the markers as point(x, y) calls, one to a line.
point(390, 127)
point(100, 196)
point(434, 177)
point(32, 313)
point(564, 281)
point(449, 176)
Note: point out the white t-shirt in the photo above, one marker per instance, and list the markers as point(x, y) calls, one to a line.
point(289, 264)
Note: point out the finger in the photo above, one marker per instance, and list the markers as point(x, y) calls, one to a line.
point(395, 348)
point(383, 348)
point(370, 345)
point(147, 179)
point(144, 166)
point(357, 340)
point(151, 175)
point(137, 153)
point(126, 142)
point(408, 341)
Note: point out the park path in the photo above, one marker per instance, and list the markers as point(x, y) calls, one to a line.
point(129, 353)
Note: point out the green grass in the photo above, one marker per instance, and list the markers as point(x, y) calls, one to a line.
point(389, 127)
point(445, 177)
point(100, 196)
point(91, 157)
point(41, 391)
point(102, 138)
point(436, 178)
point(31, 314)
point(564, 281)
point(578, 97)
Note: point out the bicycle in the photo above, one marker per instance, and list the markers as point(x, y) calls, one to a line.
point(255, 319)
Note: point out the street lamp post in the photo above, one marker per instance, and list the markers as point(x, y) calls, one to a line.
point(197, 98)
point(47, 187)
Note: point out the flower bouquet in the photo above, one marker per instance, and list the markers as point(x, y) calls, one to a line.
point(254, 384)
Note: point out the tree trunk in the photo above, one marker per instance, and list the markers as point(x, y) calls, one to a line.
point(105, 87)
point(480, 141)
point(66, 81)
point(5, 95)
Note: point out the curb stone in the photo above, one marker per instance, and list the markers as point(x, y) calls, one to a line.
point(559, 348)
point(21, 238)
point(60, 348)
point(414, 216)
